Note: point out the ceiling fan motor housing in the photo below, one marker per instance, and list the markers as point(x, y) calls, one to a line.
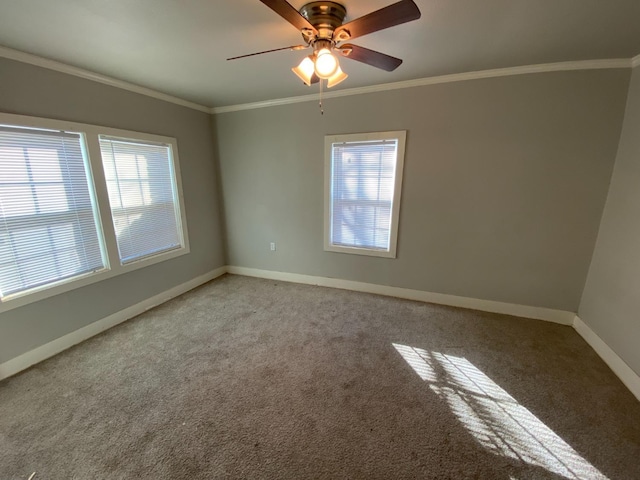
point(325, 17)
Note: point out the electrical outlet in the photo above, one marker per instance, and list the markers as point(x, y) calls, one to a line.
point(273, 246)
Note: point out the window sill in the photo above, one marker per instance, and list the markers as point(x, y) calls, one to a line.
point(41, 293)
point(360, 251)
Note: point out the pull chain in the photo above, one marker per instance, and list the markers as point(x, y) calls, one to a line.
point(320, 104)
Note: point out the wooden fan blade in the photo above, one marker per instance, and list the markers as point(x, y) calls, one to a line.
point(370, 57)
point(290, 14)
point(396, 14)
point(293, 47)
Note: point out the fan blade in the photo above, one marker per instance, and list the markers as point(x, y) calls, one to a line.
point(396, 14)
point(293, 47)
point(290, 14)
point(370, 57)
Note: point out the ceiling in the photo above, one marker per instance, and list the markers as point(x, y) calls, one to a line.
point(179, 47)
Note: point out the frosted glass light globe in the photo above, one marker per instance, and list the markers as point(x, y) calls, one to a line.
point(326, 64)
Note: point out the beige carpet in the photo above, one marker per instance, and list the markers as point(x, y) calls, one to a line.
point(248, 378)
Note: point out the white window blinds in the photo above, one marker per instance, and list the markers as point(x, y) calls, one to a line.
point(143, 197)
point(48, 230)
point(362, 193)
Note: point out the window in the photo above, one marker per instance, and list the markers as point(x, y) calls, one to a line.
point(363, 179)
point(60, 182)
point(48, 231)
point(142, 195)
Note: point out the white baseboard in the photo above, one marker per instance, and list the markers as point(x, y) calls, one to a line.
point(611, 358)
point(538, 313)
point(58, 345)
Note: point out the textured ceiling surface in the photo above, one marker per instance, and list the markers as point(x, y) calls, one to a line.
point(179, 47)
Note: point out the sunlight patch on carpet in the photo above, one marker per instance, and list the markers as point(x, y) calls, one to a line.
point(494, 418)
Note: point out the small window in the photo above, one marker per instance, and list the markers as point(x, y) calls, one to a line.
point(143, 197)
point(48, 219)
point(363, 179)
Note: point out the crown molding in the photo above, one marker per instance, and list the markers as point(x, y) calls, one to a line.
point(24, 57)
point(456, 77)
point(12, 54)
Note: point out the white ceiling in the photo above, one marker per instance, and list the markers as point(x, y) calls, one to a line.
point(179, 47)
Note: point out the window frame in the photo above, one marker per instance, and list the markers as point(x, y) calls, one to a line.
point(398, 135)
point(98, 189)
point(177, 195)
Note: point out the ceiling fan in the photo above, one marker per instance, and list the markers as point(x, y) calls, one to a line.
point(320, 24)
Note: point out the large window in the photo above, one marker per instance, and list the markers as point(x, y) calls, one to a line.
point(61, 183)
point(363, 179)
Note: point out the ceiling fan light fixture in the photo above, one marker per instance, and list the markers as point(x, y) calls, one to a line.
point(305, 70)
point(322, 26)
point(326, 64)
point(336, 78)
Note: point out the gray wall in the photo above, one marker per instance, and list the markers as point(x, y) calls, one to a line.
point(29, 90)
point(504, 185)
point(611, 301)
point(505, 182)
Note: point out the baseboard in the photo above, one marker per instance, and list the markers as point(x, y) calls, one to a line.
point(58, 345)
point(538, 313)
point(611, 358)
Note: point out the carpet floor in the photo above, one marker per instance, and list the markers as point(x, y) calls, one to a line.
point(251, 378)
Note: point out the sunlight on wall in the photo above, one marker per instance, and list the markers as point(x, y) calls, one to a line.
point(495, 419)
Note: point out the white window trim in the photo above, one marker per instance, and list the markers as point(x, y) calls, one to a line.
point(106, 230)
point(329, 140)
